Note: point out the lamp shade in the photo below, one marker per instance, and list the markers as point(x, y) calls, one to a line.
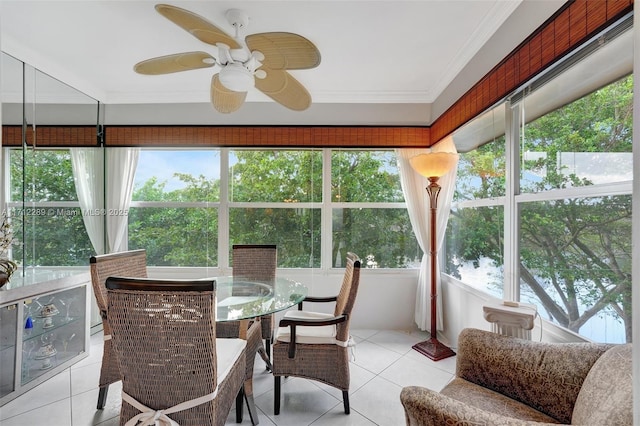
point(433, 164)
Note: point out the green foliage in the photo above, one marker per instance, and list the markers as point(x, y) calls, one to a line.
point(365, 176)
point(47, 236)
point(296, 232)
point(188, 236)
point(575, 254)
point(276, 176)
point(42, 175)
point(481, 172)
point(384, 234)
point(176, 236)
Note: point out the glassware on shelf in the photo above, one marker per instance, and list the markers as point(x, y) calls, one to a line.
point(67, 304)
point(49, 310)
point(48, 322)
point(65, 342)
point(27, 353)
point(46, 353)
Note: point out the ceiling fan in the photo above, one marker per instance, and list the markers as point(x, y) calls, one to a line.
point(258, 60)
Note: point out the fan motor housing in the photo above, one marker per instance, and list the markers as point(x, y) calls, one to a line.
point(236, 77)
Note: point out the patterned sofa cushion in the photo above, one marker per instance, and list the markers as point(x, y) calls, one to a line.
point(544, 376)
point(606, 394)
point(492, 402)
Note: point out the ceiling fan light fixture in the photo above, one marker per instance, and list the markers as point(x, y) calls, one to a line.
point(259, 60)
point(236, 77)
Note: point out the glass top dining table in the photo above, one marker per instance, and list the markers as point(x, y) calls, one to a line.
point(239, 298)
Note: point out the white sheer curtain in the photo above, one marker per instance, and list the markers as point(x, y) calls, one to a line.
point(415, 194)
point(121, 170)
point(88, 175)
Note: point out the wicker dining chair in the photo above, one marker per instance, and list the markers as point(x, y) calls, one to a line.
point(251, 332)
point(250, 262)
point(173, 366)
point(258, 262)
point(316, 345)
point(131, 263)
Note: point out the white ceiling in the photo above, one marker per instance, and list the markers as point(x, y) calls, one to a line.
point(383, 62)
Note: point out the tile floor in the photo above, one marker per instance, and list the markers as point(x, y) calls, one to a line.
point(384, 363)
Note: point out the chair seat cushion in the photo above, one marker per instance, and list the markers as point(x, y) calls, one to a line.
point(227, 352)
point(492, 401)
point(319, 335)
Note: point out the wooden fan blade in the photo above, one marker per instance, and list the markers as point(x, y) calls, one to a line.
point(285, 51)
point(202, 29)
point(223, 99)
point(280, 86)
point(174, 63)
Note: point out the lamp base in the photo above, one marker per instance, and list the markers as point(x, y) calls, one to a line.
point(433, 349)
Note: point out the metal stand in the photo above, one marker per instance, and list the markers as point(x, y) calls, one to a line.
point(432, 348)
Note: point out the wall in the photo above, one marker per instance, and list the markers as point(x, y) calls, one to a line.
point(463, 308)
point(386, 298)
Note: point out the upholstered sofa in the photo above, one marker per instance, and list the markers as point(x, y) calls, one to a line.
point(508, 381)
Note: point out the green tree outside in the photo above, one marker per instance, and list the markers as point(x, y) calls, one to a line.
point(46, 236)
point(575, 254)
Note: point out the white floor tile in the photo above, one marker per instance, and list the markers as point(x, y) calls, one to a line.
point(55, 389)
point(446, 364)
point(54, 414)
point(409, 372)
point(373, 357)
point(359, 376)
point(337, 417)
point(84, 379)
point(384, 363)
point(301, 403)
point(379, 400)
point(111, 422)
point(395, 340)
point(362, 334)
point(84, 412)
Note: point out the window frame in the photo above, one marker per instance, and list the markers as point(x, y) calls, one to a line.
point(514, 199)
point(224, 205)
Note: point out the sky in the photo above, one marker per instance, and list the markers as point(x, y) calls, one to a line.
point(164, 163)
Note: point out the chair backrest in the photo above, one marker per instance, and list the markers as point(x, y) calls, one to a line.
point(132, 263)
point(255, 261)
point(165, 340)
point(347, 296)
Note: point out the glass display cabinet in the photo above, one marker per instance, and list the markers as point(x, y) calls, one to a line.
point(8, 342)
point(44, 328)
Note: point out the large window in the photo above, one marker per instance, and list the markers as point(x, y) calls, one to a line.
point(475, 231)
point(368, 214)
point(560, 209)
point(315, 205)
point(43, 203)
point(189, 206)
point(174, 209)
point(575, 230)
point(275, 198)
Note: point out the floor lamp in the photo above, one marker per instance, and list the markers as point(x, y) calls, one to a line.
point(433, 166)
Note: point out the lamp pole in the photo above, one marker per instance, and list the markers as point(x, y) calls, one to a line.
point(433, 348)
point(432, 166)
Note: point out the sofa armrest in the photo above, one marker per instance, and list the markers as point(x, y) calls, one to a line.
point(424, 407)
point(545, 376)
